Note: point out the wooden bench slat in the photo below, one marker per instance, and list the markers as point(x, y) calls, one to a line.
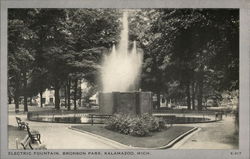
point(33, 134)
point(32, 140)
point(28, 144)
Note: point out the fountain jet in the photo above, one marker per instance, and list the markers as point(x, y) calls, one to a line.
point(121, 68)
point(120, 78)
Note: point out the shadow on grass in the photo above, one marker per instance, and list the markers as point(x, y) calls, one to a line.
point(155, 140)
point(13, 133)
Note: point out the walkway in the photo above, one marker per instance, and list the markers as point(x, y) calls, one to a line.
point(216, 135)
point(59, 136)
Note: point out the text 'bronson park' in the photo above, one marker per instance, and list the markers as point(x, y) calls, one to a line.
point(123, 78)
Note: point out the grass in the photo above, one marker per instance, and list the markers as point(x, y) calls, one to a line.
point(157, 139)
point(14, 133)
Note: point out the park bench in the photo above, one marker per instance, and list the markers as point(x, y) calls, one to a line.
point(20, 123)
point(28, 144)
point(34, 135)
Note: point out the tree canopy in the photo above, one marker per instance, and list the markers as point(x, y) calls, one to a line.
point(192, 47)
point(189, 54)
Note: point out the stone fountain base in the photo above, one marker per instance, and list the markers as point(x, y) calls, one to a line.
point(125, 102)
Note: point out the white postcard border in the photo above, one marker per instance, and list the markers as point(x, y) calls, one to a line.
point(243, 5)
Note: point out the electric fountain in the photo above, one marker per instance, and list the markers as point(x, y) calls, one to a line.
point(120, 77)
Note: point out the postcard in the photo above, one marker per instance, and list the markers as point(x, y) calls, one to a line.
point(129, 79)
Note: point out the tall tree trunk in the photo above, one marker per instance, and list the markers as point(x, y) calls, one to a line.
point(237, 115)
point(158, 86)
point(75, 92)
point(25, 103)
point(41, 99)
point(80, 95)
point(188, 96)
point(9, 99)
point(65, 95)
point(16, 95)
point(16, 101)
point(68, 92)
point(57, 97)
point(193, 95)
point(25, 92)
point(158, 100)
point(200, 93)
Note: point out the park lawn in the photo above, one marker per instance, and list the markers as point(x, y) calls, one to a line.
point(13, 133)
point(155, 140)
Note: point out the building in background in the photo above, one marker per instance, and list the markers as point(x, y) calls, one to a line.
point(48, 98)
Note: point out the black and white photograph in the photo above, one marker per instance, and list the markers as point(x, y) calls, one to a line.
point(123, 79)
point(138, 77)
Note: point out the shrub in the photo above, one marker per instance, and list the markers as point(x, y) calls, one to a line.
point(153, 123)
point(138, 127)
point(123, 124)
point(118, 122)
point(134, 125)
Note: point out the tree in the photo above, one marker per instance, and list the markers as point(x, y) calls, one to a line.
point(53, 47)
point(62, 43)
point(20, 55)
point(188, 53)
point(38, 82)
point(71, 41)
point(140, 30)
point(90, 43)
point(192, 46)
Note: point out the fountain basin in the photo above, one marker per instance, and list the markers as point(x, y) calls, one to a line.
point(86, 119)
point(125, 102)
